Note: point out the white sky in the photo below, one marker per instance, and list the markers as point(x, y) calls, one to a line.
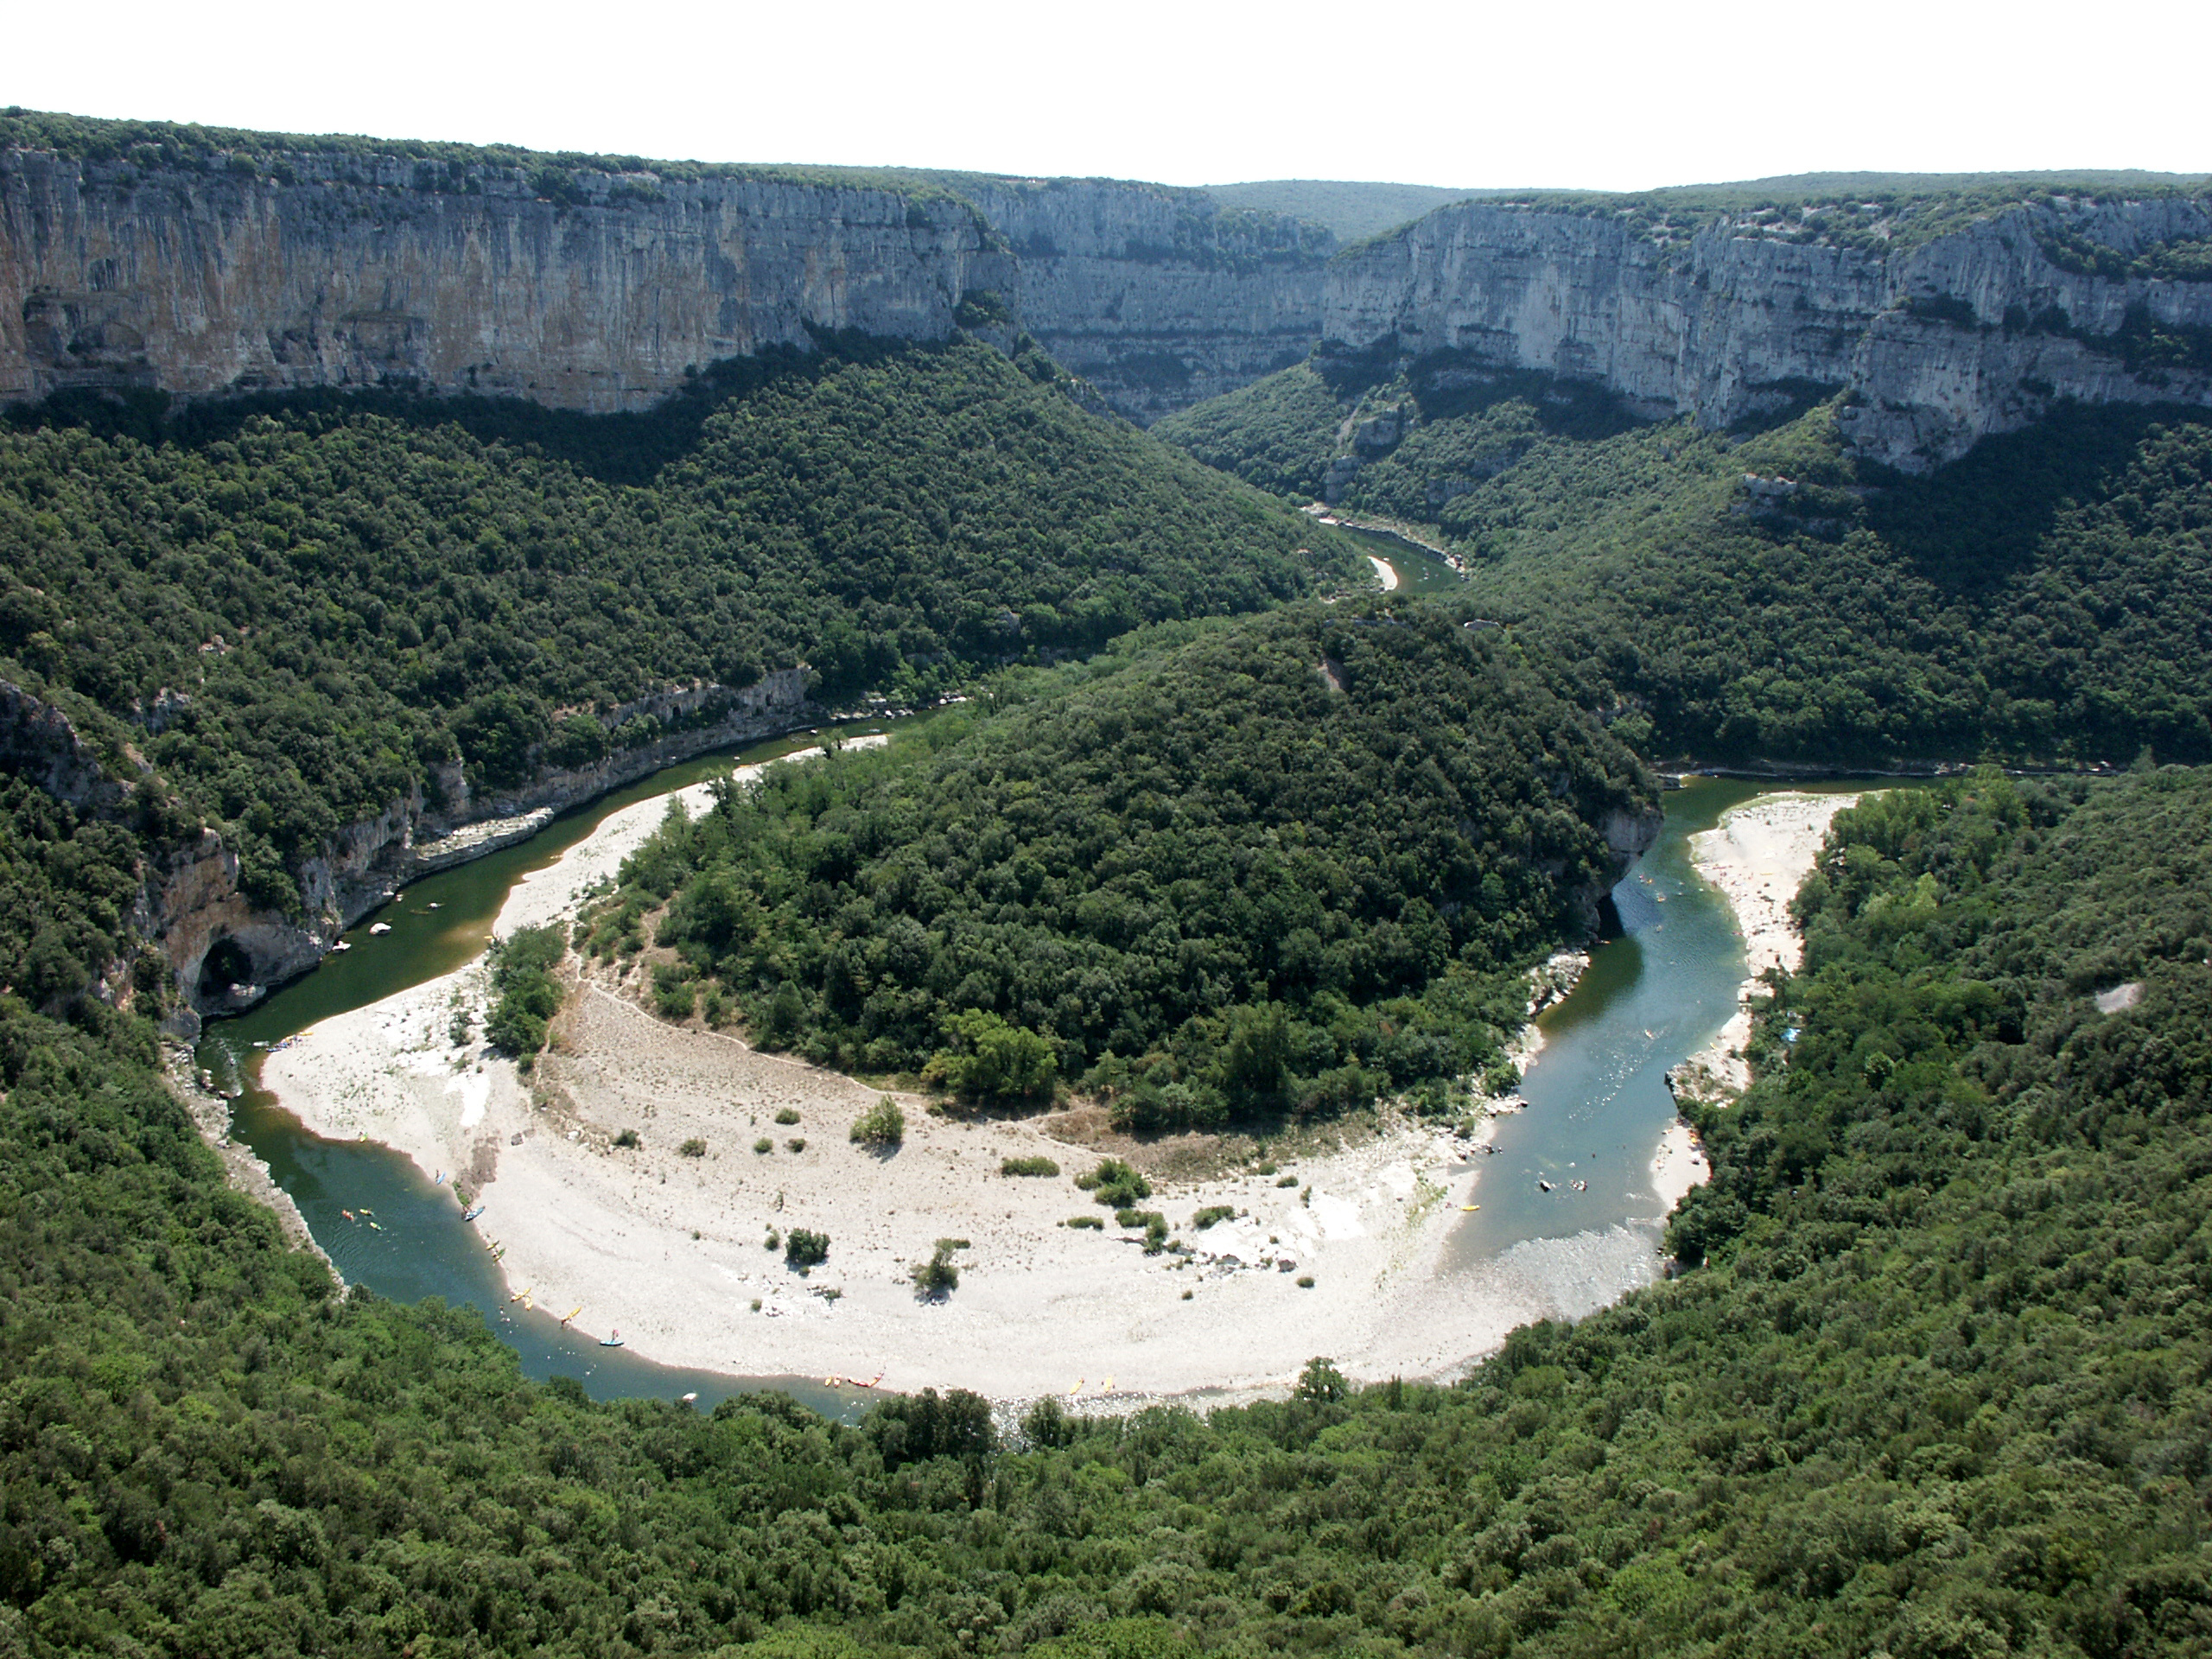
point(1600, 94)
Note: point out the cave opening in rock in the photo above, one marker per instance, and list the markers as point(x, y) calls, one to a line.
point(226, 966)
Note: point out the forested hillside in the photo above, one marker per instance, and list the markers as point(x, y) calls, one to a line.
point(1768, 596)
point(1286, 865)
point(1937, 1389)
point(293, 607)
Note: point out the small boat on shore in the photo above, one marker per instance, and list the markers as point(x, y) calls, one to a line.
point(612, 1339)
point(472, 1212)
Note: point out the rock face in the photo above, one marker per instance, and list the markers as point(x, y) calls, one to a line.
point(352, 271)
point(595, 290)
point(1158, 297)
point(1939, 345)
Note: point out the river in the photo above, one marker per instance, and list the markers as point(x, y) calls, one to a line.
point(419, 1247)
point(1653, 993)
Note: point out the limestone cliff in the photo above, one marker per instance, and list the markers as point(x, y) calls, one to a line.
point(1157, 296)
point(344, 270)
point(595, 286)
point(1938, 344)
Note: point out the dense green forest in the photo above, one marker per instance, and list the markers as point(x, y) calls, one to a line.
point(1280, 864)
point(1937, 1388)
point(1770, 596)
point(295, 608)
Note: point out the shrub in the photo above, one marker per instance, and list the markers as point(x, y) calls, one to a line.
point(628, 1137)
point(695, 1148)
point(1115, 1183)
point(804, 1248)
point(785, 1114)
point(1027, 1166)
point(937, 1276)
point(1213, 1213)
point(882, 1125)
point(529, 994)
point(1288, 1180)
point(1084, 1221)
point(1306, 1282)
point(796, 1143)
point(764, 1145)
point(773, 1242)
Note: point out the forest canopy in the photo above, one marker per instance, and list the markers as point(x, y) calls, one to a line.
point(297, 609)
point(1768, 595)
point(1938, 1387)
point(1281, 864)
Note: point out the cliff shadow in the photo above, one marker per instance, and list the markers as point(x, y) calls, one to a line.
point(1981, 522)
point(619, 449)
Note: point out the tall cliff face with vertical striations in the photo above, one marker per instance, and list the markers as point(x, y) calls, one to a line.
point(1159, 297)
point(352, 271)
point(1939, 344)
point(263, 262)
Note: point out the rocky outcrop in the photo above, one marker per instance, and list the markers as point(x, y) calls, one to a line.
point(1978, 331)
point(227, 952)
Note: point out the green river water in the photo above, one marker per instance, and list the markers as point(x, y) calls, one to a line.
point(1653, 993)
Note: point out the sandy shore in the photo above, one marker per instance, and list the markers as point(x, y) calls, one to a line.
point(671, 1249)
point(1757, 855)
point(1385, 572)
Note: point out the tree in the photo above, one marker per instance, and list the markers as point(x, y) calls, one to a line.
point(992, 1061)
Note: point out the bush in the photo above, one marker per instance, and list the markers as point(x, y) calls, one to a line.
point(785, 1114)
point(937, 1276)
point(882, 1125)
point(1091, 1222)
point(1115, 1183)
point(803, 1249)
point(628, 1137)
point(695, 1148)
point(1027, 1166)
point(796, 1143)
point(1213, 1213)
point(1288, 1180)
point(764, 1145)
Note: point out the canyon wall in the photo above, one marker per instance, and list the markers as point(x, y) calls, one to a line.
point(595, 289)
point(348, 271)
point(1158, 297)
point(337, 270)
point(1939, 344)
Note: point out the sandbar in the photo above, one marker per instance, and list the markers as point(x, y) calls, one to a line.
point(1756, 856)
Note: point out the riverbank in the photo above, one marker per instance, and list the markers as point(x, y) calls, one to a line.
point(671, 1249)
point(1756, 857)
